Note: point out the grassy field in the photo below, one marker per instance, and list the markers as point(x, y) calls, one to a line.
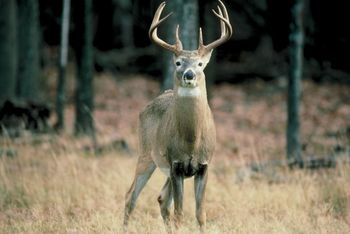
point(79, 193)
point(52, 185)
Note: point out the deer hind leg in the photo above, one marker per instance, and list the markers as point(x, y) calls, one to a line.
point(144, 170)
point(165, 200)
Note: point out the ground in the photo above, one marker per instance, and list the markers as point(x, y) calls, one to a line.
point(55, 184)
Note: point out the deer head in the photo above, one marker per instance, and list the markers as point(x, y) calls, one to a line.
point(189, 65)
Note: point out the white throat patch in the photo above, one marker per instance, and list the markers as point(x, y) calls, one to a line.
point(188, 92)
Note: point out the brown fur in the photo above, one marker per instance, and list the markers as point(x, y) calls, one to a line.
point(181, 128)
point(177, 131)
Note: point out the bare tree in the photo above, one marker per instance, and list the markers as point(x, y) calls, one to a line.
point(211, 31)
point(8, 49)
point(60, 96)
point(189, 24)
point(84, 54)
point(294, 85)
point(28, 49)
point(123, 10)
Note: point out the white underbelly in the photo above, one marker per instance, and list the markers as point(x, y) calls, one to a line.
point(165, 170)
point(161, 163)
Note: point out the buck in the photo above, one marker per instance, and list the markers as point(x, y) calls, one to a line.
point(176, 131)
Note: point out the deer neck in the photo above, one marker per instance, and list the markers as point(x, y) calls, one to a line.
point(190, 112)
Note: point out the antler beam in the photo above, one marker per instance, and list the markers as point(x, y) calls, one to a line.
point(177, 47)
point(226, 30)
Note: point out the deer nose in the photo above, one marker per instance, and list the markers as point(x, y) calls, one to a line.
point(189, 75)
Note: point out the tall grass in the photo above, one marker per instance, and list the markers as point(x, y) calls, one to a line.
point(45, 191)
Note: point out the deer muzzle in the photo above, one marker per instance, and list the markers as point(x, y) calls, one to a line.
point(189, 78)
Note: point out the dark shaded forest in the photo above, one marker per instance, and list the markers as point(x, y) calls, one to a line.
point(258, 48)
point(111, 37)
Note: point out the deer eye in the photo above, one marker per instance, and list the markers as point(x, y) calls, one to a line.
point(200, 64)
point(178, 63)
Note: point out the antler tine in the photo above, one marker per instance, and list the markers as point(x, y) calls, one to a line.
point(225, 21)
point(225, 15)
point(222, 24)
point(200, 41)
point(177, 47)
point(178, 43)
point(226, 29)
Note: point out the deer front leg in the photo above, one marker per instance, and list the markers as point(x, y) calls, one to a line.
point(177, 183)
point(200, 182)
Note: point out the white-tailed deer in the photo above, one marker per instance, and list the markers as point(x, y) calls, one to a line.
point(177, 132)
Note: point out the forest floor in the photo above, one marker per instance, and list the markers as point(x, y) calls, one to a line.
point(55, 184)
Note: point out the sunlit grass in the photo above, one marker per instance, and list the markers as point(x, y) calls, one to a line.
point(42, 191)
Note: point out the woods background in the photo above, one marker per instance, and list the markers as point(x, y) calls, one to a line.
point(111, 36)
point(279, 99)
point(31, 35)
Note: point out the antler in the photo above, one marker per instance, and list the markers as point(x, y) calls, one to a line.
point(177, 47)
point(226, 30)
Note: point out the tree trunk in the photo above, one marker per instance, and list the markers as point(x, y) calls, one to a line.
point(60, 96)
point(84, 54)
point(186, 15)
point(294, 85)
point(211, 32)
point(189, 24)
point(28, 49)
point(8, 49)
point(123, 10)
point(167, 57)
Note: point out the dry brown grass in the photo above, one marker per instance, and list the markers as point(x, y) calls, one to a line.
point(53, 186)
point(46, 192)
